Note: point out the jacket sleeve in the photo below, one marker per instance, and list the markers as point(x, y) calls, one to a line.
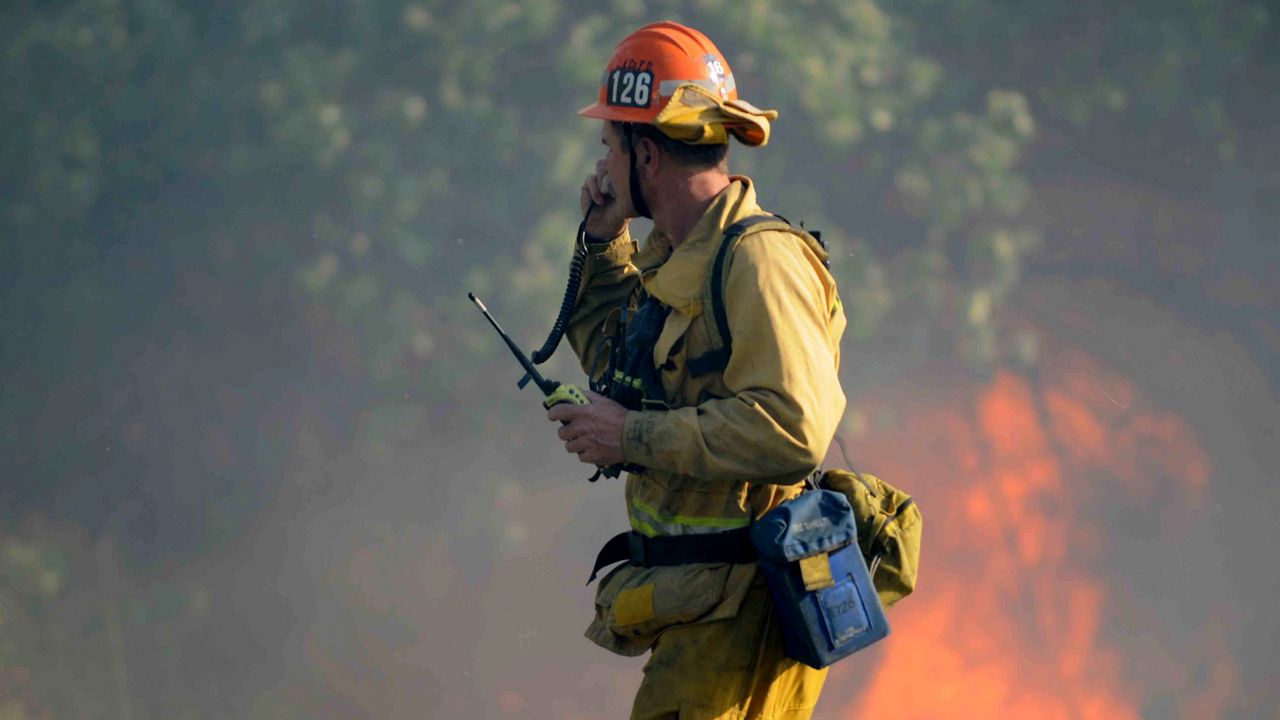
point(608, 279)
point(786, 398)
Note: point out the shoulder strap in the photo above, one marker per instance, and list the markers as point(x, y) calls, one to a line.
point(718, 357)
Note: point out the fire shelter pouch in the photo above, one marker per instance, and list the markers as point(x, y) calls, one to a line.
point(635, 604)
point(823, 597)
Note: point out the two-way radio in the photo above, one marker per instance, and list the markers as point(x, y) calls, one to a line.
point(554, 392)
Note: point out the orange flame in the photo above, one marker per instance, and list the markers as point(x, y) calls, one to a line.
point(1009, 619)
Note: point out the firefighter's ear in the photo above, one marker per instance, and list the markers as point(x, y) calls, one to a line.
point(648, 156)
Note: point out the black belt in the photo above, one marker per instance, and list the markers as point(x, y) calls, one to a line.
point(730, 546)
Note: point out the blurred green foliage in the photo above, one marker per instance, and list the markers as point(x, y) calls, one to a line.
point(401, 146)
point(336, 174)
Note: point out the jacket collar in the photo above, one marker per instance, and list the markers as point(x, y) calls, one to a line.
point(677, 277)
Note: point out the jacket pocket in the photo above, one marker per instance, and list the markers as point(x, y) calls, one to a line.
point(669, 356)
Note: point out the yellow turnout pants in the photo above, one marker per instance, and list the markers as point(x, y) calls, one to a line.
point(733, 669)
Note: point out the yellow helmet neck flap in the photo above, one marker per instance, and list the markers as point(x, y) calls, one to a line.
point(697, 116)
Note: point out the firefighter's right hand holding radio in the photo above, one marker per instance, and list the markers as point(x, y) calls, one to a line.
point(610, 211)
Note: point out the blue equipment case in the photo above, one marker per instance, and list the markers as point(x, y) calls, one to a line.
point(838, 613)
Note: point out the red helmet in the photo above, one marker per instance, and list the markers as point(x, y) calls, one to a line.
point(648, 65)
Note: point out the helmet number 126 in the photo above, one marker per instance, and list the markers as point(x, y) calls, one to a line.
point(630, 87)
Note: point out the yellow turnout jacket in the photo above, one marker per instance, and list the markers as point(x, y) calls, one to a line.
point(735, 443)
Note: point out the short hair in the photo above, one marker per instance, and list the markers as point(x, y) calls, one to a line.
point(702, 157)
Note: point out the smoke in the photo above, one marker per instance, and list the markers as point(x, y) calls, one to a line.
point(1077, 519)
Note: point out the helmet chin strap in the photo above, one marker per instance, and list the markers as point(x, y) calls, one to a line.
point(637, 197)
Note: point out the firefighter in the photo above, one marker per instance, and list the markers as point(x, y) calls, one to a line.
point(721, 434)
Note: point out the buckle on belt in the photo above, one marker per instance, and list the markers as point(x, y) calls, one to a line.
point(636, 548)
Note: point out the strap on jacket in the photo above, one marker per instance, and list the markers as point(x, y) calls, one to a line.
point(730, 546)
point(718, 358)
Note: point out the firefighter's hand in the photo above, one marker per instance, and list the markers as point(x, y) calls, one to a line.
point(612, 212)
point(593, 431)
